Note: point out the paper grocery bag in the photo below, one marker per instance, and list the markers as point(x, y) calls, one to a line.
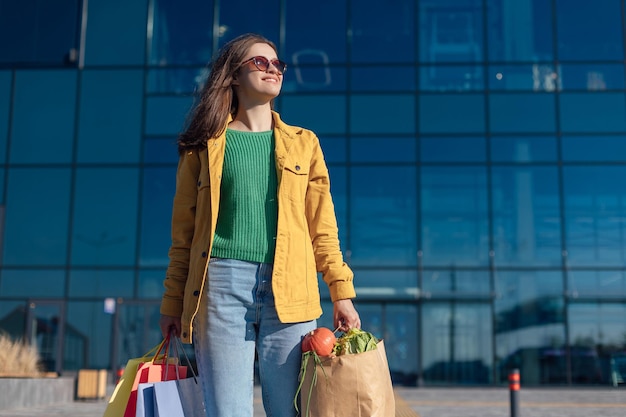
point(353, 385)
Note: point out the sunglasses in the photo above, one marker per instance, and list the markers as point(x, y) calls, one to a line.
point(262, 64)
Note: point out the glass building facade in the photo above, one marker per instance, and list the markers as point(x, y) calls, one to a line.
point(477, 151)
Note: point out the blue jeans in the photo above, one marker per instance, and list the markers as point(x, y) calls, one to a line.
point(236, 319)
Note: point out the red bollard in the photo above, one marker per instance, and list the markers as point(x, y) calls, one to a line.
point(514, 385)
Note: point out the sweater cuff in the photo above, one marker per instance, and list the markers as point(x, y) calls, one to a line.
point(341, 290)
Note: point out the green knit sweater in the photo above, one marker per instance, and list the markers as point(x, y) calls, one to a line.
point(248, 213)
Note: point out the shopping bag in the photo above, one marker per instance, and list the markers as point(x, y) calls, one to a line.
point(191, 397)
point(352, 385)
point(157, 369)
point(145, 400)
point(119, 399)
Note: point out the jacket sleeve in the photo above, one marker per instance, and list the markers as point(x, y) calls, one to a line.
point(322, 223)
point(183, 223)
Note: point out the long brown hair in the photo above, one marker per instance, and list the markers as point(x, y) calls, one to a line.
point(217, 99)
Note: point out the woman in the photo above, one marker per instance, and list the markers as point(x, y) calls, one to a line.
point(252, 224)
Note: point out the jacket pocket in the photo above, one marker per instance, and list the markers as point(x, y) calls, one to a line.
point(295, 181)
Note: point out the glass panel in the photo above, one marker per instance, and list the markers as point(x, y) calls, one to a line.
point(303, 22)
point(5, 106)
point(451, 30)
point(535, 77)
point(115, 37)
point(259, 17)
point(593, 112)
point(597, 342)
point(523, 149)
point(13, 318)
point(181, 33)
point(452, 113)
point(592, 77)
point(401, 344)
point(526, 216)
point(184, 80)
point(30, 283)
point(383, 218)
point(37, 238)
point(594, 148)
point(151, 284)
point(383, 34)
point(530, 334)
point(43, 117)
point(522, 113)
point(396, 285)
point(449, 282)
point(160, 151)
point(167, 115)
point(595, 215)
point(382, 113)
point(40, 32)
point(451, 78)
point(101, 283)
point(602, 37)
point(447, 149)
point(159, 185)
point(88, 336)
point(454, 216)
point(458, 347)
point(137, 330)
point(334, 148)
point(381, 150)
point(323, 114)
point(45, 324)
point(110, 116)
point(382, 78)
point(110, 196)
point(520, 30)
point(311, 71)
point(596, 283)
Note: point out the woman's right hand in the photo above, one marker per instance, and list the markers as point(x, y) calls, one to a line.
point(170, 324)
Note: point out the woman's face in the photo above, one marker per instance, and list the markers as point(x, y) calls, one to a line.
point(258, 81)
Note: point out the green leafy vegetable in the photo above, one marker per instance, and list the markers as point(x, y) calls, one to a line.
point(355, 341)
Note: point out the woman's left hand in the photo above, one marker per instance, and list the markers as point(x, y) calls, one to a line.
point(345, 315)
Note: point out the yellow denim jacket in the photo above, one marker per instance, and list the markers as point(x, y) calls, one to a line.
point(306, 240)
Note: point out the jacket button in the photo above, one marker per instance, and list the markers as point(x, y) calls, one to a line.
point(196, 293)
point(297, 167)
point(199, 183)
point(185, 334)
point(204, 254)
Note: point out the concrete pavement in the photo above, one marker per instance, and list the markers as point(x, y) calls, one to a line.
point(434, 402)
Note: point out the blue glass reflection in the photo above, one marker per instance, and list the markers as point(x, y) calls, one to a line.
point(157, 195)
point(453, 281)
point(520, 30)
point(311, 72)
point(451, 31)
point(104, 230)
point(30, 283)
point(601, 38)
point(451, 78)
point(594, 148)
point(101, 283)
point(593, 112)
point(391, 39)
point(5, 103)
point(453, 149)
point(383, 149)
point(33, 238)
point(596, 283)
point(259, 17)
point(592, 77)
point(595, 215)
point(167, 115)
point(44, 110)
point(522, 113)
point(526, 216)
point(386, 78)
point(383, 215)
point(115, 37)
point(523, 149)
point(454, 216)
point(302, 25)
point(392, 113)
point(452, 113)
point(180, 33)
point(324, 114)
point(536, 77)
point(110, 116)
